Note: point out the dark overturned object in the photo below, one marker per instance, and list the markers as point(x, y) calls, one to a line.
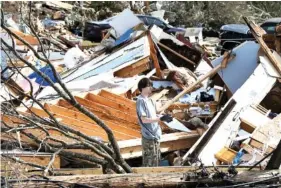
point(233, 35)
point(184, 50)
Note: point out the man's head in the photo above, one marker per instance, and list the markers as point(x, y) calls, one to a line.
point(145, 86)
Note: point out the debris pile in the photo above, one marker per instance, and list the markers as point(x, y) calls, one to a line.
point(68, 102)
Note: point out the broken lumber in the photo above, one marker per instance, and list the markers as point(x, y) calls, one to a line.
point(157, 96)
point(89, 128)
point(153, 55)
point(227, 57)
point(134, 69)
point(173, 179)
point(136, 170)
point(258, 32)
point(169, 142)
point(174, 52)
point(114, 125)
point(39, 158)
point(107, 102)
point(118, 99)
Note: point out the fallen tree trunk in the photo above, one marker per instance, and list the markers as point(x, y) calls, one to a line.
point(167, 179)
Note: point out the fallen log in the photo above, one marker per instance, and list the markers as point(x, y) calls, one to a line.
point(168, 179)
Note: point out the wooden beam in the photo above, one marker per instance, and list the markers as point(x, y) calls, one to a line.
point(82, 117)
point(11, 120)
point(247, 126)
point(169, 142)
point(228, 57)
point(136, 170)
point(181, 106)
point(28, 38)
point(256, 144)
point(101, 115)
point(13, 137)
point(39, 159)
point(110, 111)
point(176, 53)
point(153, 55)
point(122, 100)
point(157, 96)
point(258, 32)
point(134, 69)
point(173, 179)
point(88, 129)
point(110, 103)
point(126, 180)
point(119, 132)
point(91, 129)
point(183, 169)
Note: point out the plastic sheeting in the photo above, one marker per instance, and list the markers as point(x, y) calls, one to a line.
point(124, 21)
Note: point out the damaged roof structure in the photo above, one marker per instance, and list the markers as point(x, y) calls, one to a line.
point(69, 110)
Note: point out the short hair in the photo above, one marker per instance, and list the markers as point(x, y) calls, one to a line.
point(143, 83)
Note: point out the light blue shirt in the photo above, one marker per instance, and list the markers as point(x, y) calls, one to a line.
point(147, 108)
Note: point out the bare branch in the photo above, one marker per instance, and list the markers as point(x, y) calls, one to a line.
point(51, 161)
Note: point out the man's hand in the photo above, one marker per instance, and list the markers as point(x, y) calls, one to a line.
point(167, 118)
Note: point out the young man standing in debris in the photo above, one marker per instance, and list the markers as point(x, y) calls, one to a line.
point(150, 129)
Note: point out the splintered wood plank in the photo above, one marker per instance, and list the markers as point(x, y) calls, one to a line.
point(181, 106)
point(107, 110)
point(247, 126)
point(101, 115)
point(256, 144)
point(11, 120)
point(39, 159)
point(38, 133)
point(140, 170)
point(122, 100)
point(91, 128)
point(84, 127)
point(110, 103)
point(82, 117)
point(168, 142)
point(134, 69)
point(13, 137)
point(133, 180)
point(28, 38)
point(258, 32)
point(160, 94)
point(73, 123)
point(153, 56)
